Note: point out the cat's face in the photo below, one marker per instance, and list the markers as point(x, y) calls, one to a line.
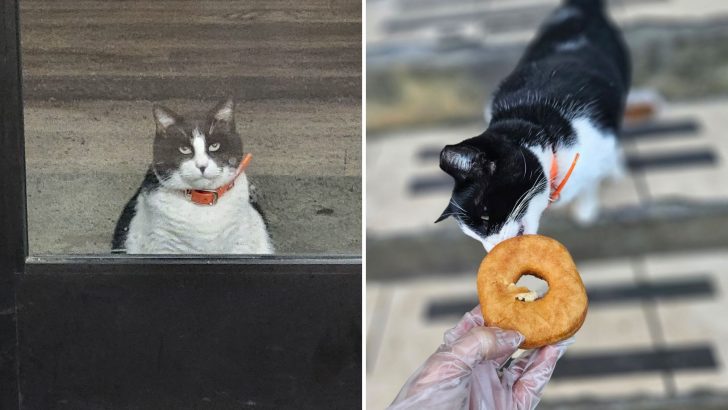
point(196, 153)
point(500, 188)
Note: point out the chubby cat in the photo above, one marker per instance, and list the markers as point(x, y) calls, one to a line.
point(195, 198)
point(552, 133)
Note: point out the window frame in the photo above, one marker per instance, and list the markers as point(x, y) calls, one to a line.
point(17, 265)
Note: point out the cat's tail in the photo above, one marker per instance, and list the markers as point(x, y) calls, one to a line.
point(589, 6)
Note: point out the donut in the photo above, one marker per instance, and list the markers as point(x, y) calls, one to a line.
point(543, 321)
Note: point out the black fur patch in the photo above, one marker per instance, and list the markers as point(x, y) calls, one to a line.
point(118, 243)
point(253, 198)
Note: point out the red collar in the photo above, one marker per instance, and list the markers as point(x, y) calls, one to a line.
point(210, 197)
point(556, 188)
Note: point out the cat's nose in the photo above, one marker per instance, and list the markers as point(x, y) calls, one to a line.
point(202, 169)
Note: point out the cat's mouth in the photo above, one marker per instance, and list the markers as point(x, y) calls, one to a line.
point(203, 182)
point(490, 242)
point(211, 182)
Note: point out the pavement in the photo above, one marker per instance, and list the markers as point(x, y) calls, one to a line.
point(92, 71)
point(428, 23)
point(652, 334)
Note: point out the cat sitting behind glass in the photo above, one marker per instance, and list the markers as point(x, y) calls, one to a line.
point(195, 197)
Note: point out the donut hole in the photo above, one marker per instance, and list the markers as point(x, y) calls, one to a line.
point(534, 283)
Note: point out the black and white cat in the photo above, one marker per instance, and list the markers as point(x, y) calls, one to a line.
point(195, 197)
point(565, 97)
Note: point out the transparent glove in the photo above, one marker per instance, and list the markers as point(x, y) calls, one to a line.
point(465, 372)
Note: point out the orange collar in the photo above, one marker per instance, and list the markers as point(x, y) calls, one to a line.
point(210, 197)
point(556, 188)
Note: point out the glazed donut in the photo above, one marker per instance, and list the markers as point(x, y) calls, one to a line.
point(554, 317)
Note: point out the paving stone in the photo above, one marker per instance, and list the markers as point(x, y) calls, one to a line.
point(604, 389)
point(693, 321)
point(408, 339)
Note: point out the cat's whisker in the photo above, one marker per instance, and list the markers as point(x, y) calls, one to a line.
point(523, 201)
point(525, 168)
point(452, 201)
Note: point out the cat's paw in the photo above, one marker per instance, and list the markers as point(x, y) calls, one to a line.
point(619, 170)
point(585, 214)
point(585, 209)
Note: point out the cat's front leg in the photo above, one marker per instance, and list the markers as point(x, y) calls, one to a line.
point(586, 207)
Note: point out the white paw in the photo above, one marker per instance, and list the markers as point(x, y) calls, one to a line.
point(618, 173)
point(585, 214)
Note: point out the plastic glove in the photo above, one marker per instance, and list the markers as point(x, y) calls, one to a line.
point(464, 372)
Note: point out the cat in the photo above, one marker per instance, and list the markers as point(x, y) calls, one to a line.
point(195, 197)
point(559, 109)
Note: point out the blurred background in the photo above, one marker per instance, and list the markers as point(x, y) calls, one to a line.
point(656, 262)
point(92, 70)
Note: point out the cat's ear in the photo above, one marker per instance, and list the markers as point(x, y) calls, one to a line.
point(224, 111)
point(462, 161)
point(447, 212)
point(164, 117)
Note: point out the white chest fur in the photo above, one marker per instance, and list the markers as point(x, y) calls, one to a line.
point(167, 222)
point(599, 157)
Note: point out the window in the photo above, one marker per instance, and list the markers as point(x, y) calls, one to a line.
point(83, 328)
point(92, 73)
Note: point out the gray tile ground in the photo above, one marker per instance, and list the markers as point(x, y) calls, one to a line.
point(695, 321)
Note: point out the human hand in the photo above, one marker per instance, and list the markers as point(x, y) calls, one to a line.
point(464, 372)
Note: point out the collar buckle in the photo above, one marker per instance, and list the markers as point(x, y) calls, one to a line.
point(202, 197)
point(214, 198)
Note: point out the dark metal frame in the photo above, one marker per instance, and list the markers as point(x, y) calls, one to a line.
point(164, 332)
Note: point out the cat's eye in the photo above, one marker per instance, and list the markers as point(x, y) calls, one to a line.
point(486, 218)
point(214, 147)
point(185, 150)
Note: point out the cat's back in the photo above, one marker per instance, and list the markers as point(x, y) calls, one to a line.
point(577, 43)
point(577, 64)
point(580, 35)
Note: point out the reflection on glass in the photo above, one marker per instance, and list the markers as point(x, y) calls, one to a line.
point(93, 72)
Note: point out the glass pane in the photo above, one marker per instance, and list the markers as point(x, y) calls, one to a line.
point(93, 72)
